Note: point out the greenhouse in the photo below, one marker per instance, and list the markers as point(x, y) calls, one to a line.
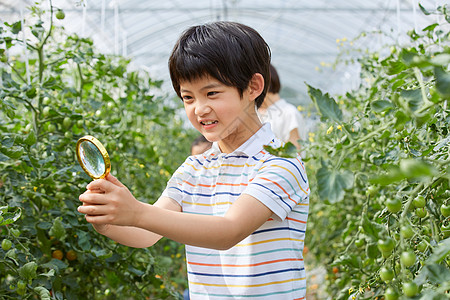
point(347, 197)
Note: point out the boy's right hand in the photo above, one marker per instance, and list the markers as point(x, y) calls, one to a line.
point(108, 201)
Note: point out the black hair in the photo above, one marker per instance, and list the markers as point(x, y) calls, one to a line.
point(274, 86)
point(228, 51)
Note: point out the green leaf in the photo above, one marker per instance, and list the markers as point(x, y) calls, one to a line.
point(83, 240)
point(395, 67)
point(326, 106)
point(413, 98)
point(423, 9)
point(442, 81)
point(57, 230)
point(416, 168)
point(9, 217)
point(435, 273)
point(288, 150)
point(372, 229)
point(381, 105)
point(332, 183)
point(30, 139)
point(16, 27)
point(441, 251)
point(442, 60)
point(372, 250)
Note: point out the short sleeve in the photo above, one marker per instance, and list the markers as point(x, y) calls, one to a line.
point(280, 184)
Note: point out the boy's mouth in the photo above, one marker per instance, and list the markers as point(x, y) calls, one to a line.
point(208, 122)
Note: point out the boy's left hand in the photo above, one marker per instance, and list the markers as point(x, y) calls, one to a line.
point(108, 201)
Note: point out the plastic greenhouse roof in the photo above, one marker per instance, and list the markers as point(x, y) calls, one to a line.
point(304, 36)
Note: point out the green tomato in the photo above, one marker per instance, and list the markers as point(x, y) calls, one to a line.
point(46, 101)
point(371, 190)
point(419, 201)
point(386, 274)
point(394, 205)
point(359, 242)
point(390, 294)
point(15, 232)
point(445, 210)
point(421, 212)
point(6, 244)
point(422, 246)
point(21, 285)
point(386, 245)
point(386, 254)
point(67, 122)
point(51, 128)
point(80, 123)
point(68, 134)
point(407, 258)
point(406, 231)
point(445, 229)
point(410, 289)
point(60, 15)
point(46, 111)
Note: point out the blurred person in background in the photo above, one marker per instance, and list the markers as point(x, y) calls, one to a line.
point(285, 120)
point(200, 145)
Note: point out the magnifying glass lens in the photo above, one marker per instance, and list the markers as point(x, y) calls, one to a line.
point(92, 158)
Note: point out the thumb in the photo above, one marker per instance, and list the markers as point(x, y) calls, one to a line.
point(114, 180)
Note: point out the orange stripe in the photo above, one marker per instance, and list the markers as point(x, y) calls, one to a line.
point(280, 188)
point(214, 185)
point(246, 266)
point(303, 222)
point(300, 164)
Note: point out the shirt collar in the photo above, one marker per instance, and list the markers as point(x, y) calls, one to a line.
point(253, 145)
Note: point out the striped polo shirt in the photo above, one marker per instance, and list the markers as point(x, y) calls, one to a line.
point(268, 264)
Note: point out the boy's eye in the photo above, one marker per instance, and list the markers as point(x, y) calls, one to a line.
point(186, 98)
point(212, 93)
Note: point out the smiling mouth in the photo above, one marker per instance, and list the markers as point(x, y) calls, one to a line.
point(208, 122)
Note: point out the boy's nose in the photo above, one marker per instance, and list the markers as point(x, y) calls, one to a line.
point(202, 109)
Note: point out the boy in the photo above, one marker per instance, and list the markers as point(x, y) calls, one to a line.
point(240, 210)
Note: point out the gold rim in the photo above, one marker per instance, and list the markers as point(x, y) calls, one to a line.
point(103, 152)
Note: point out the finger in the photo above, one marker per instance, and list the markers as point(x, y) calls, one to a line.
point(96, 191)
point(101, 185)
point(114, 180)
point(91, 210)
point(93, 198)
point(96, 219)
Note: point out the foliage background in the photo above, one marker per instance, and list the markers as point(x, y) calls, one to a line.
point(379, 171)
point(54, 89)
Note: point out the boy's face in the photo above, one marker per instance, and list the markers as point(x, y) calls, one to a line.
point(219, 113)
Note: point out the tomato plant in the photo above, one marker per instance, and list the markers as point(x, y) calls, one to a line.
point(46, 103)
point(379, 168)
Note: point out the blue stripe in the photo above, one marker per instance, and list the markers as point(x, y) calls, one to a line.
point(249, 275)
point(276, 229)
point(289, 161)
point(248, 296)
point(241, 254)
point(290, 208)
point(205, 195)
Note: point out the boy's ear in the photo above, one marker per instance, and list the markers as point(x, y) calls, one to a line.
point(256, 86)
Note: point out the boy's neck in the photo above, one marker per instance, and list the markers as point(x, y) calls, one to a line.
point(242, 134)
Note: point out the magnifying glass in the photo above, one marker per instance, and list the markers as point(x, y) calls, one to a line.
point(93, 157)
